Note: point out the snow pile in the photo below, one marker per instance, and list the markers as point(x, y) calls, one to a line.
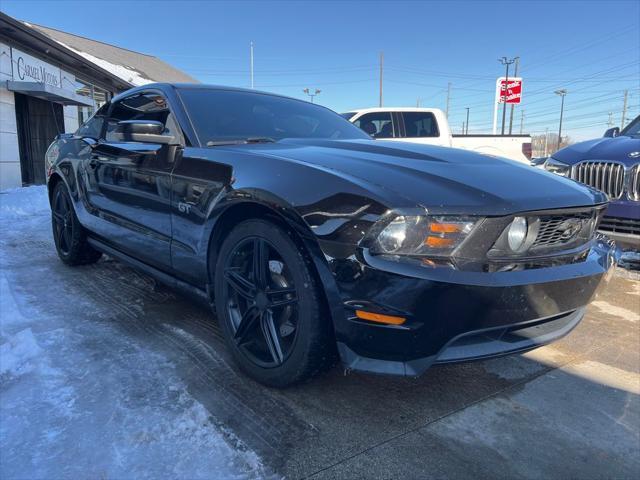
point(125, 72)
point(80, 396)
point(17, 353)
point(21, 202)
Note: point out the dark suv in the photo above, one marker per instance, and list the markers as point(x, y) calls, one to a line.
point(611, 165)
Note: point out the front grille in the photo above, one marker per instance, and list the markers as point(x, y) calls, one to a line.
point(634, 183)
point(560, 236)
point(608, 177)
point(620, 225)
point(560, 230)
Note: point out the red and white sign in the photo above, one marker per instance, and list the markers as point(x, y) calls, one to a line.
point(512, 91)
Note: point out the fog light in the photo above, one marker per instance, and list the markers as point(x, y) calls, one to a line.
point(517, 235)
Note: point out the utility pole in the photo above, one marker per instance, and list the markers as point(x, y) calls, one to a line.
point(610, 121)
point(308, 92)
point(448, 97)
point(562, 94)
point(251, 55)
point(467, 132)
point(624, 109)
point(463, 128)
point(515, 74)
point(505, 61)
point(381, 76)
point(417, 103)
point(521, 122)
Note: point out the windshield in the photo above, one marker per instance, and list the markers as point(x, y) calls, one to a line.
point(633, 129)
point(220, 115)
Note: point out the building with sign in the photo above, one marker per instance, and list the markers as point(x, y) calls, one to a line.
point(51, 82)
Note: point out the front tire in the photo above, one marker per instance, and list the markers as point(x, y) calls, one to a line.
point(270, 306)
point(68, 235)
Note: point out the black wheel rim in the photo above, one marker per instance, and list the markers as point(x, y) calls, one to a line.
point(62, 222)
point(262, 302)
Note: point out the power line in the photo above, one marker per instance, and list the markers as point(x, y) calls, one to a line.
point(319, 83)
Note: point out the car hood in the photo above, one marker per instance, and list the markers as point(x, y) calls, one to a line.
point(443, 180)
point(611, 149)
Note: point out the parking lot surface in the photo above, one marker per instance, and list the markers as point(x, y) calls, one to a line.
point(568, 410)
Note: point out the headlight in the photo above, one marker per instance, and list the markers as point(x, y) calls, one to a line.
point(556, 166)
point(419, 235)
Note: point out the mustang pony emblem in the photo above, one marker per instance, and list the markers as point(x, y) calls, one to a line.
point(570, 228)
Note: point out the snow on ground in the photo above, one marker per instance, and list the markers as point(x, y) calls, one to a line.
point(20, 203)
point(80, 399)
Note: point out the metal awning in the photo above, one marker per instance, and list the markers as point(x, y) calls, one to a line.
point(47, 92)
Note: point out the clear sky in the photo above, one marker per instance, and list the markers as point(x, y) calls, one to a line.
point(591, 48)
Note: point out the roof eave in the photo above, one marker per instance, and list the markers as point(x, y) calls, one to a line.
point(12, 30)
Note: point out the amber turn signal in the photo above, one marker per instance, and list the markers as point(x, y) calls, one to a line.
point(445, 227)
point(438, 242)
point(379, 318)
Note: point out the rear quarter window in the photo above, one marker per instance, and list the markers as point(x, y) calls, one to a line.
point(420, 124)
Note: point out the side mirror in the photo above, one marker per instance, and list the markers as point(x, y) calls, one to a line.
point(92, 142)
point(144, 131)
point(612, 132)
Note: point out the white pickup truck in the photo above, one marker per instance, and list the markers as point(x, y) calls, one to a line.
point(430, 126)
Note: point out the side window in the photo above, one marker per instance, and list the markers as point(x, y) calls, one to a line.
point(420, 124)
point(376, 124)
point(141, 106)
point(93, 127)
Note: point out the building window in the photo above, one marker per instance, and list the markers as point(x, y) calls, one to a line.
point(97, 94)
point(100, 96)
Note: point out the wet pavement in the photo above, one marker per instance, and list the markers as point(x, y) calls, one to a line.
point(570, 409)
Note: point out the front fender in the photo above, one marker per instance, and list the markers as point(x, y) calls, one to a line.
point(241, 204)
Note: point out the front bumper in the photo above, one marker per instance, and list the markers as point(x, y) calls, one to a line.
point(621, 223)
point(455, 315)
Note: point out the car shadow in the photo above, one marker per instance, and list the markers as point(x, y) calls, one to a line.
point(305, 428)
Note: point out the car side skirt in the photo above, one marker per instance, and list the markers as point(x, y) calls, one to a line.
point(196, 293)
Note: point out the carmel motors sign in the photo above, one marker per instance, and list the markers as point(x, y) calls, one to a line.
point(30, 69)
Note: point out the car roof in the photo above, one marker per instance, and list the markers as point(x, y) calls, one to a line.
point(392, 109)
point(163, 86)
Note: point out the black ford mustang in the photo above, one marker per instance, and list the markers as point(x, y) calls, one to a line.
point(308, 237)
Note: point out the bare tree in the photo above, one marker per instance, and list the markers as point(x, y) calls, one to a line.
point(538, 144)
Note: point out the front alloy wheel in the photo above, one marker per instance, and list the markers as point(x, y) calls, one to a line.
point(261, 302)
point(270, 305)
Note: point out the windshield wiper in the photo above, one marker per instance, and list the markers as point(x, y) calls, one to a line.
point(240, 141)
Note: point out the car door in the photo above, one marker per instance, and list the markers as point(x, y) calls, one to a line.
point(130, 182)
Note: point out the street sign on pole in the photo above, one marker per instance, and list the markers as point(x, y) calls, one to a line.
point(511, 93)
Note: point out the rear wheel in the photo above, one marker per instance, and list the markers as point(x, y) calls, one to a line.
point(69, 236)
point(269, 305)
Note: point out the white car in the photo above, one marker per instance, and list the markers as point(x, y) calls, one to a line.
point(430, 126)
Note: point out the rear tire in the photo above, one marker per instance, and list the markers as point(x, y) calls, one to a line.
point(270, 306)
point(68, 235)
